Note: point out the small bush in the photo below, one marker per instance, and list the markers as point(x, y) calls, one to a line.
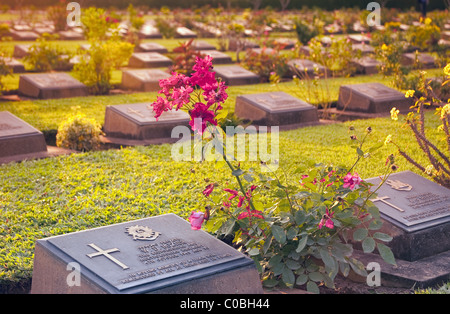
point(79, 133)
point(44, 57)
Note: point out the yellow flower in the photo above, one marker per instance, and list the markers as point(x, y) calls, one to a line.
point(394, 114)
point(388, 139)
point(427, 21)
point(384, 47)
point(447, 70)
point(445, 111)
point(409, 93)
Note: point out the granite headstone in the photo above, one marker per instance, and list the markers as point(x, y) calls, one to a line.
point(275, 109)
point(51, 85)
point(18, 137)
point(424, 60)
point(151, 47)
point(416, 214)
point(236, 75)
point(218, 57)
point(304, 68)
point(144, 80)
point(371, 98)
point(134, 124)
point(366, 65)
point(159, 254)
point(148, 60)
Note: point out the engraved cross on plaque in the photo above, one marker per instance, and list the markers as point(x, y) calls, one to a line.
point(136, 112)
point(383, 200)
point(106, 254)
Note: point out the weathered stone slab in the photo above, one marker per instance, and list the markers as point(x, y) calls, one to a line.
point(70, 35)
point(236, 75)
point(416, 214)
point(202, 45)
point(51, 85)
point(184, 32)
point(149, 31)
point(366, 65)
point(371, 98)
point(24, 35)
point(151, 47)
point(15, 65)
point(233, 44)
point(21, 50)
point(275, 109)
point(359, 39)
point(304, 68)
point(18, 137)
point(136, 122)
point(218, 57)
point(148, 60)
point(364, 48)
point(425, 60)
point(159, 254)
point(143, 80)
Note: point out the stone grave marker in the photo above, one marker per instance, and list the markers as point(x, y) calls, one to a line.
point(151, 47)
point(359, 39)
point(144, 80)
point(149, 31)
point(232, 45)
point(134, 124)
point(304, 68)
point(71, 35)
point(21, 50)
point(51, 85)
point(366, 65)
point(275, 109)
point(15, 65)
point(373, 98)
point(148, 60)
point(159, 254)
point(202, 45)
point(236, 75)
point(24, 35)
point(19, 138)
point(218, 56)
point(184, 32)
point(364, 48)
point(445, 35)
point(425, 60)
point(416, 214)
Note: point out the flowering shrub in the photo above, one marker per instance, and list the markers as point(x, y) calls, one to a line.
point(439, 159)
point(79, 133)
point(44, 57)
point(185, 57)
point(266, 62)
point(424, 35)
point(5, 70)
point(300, 229)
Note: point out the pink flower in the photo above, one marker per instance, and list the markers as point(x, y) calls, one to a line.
point(181, 96)
point(208, 190)
point(241, 201)
point(202, 75)
point(196, 219)
point(160, 105)
point(215, 94)
point(351, 181)
point(232, 192)
point(253, 213)
point(202, 115)
point(326, 220)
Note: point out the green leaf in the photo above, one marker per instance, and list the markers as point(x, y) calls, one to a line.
point(288, 276)
point(291, 264)
point(254, 251)
point(382, 236)
point(327, 258)
point(279, 234)
point(368, 245)
point(301, 279)
point(291, 233)
point(312, 287)
point(237, 172)
point(300, 217)
point(248, 177)
point(359, 151)
point(315, 276)
point(386, 253)
point(270, 283)
point(375, 224)
point(301, 244)
point(360, 234)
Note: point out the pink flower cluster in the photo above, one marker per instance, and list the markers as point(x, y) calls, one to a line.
point(178, 88)
point(352, 181)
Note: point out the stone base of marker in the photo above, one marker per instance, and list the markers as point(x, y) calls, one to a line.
point(51, 85)
point(366, 65)
point(275, 109)
point(167, 257)
point(425, 61)
point(416, 214)
point(134, 124)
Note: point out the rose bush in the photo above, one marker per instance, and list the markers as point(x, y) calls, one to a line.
point(299, 227)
